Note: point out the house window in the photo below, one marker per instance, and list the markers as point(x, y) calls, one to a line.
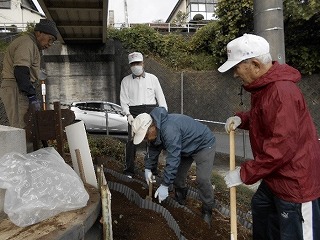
point(194, 7)
point(5, 4)
point(210, 7)
point(202, 7)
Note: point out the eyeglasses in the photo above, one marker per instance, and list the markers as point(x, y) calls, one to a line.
point(51, 40)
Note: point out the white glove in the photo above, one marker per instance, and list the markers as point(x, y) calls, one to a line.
point(236, 121)
point(233, 178)
point(163, 193)
point(130, 119)
point(148, 176)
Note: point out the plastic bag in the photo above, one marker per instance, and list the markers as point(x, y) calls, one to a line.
point(39, 185)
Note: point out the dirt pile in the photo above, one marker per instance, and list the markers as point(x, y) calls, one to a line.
point(135, 223)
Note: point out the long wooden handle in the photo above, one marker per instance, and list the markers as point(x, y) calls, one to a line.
point(233, 193)
point(150, 189)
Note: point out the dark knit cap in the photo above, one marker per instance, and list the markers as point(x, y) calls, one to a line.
point(47, 26)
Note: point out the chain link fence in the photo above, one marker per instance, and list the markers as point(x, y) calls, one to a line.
point(213, 97)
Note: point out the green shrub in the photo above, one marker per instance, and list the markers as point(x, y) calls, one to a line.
point(106, 146)
point(206, 49)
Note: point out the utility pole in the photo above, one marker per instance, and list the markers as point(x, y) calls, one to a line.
point(126, 13)
point(268, 23)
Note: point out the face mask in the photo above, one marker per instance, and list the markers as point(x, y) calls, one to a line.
point(137, 70)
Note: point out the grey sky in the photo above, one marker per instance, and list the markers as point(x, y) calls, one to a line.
point(139, 11)
point(142, 11)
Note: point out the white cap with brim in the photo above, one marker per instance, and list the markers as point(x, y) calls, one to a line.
point(242, 48)
point(135, 57)
point(140, 127)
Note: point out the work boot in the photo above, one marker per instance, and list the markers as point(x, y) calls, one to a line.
point(181, 195)
point(207, 214)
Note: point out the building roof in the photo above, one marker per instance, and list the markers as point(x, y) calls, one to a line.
point(173, 12)
point(78, 21)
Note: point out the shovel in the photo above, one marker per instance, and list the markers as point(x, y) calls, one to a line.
point(233, 197)
point(149, 197)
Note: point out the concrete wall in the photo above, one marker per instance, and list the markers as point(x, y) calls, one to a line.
point(78, 73)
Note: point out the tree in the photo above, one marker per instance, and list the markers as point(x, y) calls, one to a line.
point(302, 34)
point(301, 25)
point(235, 19)
point(180, 19)
point(198, 17)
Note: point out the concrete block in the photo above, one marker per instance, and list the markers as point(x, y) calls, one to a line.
point(12, 140)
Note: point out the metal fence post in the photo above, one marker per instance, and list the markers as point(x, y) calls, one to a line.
point(107, 121)
point(181, 95)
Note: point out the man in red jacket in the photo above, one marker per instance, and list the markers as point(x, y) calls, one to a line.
point(284, 143)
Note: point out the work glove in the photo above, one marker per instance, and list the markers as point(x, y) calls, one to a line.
point(163, 193)
point(233, 178)
point(148, 175)
point(34, 102)
point(236, 121)
point(130, 119)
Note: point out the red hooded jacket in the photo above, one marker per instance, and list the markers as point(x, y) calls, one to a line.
point(283, 137)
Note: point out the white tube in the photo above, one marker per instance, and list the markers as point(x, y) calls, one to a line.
point(77, 139)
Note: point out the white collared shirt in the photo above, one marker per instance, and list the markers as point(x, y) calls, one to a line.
point(141, 91)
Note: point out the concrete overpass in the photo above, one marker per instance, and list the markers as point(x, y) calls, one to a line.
point(78, 21)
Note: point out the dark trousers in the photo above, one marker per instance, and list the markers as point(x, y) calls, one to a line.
point(276, 219)
point(204, 160)
point(131, 149)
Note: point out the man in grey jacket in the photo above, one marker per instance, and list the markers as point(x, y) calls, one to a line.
point(185, 140)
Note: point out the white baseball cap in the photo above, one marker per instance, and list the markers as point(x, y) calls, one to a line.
point(140, 127)
point(135, 57)
point(242, 48)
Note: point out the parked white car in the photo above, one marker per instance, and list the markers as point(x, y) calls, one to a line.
point(93, 114)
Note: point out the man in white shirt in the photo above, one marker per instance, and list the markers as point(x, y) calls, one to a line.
point(140, 92)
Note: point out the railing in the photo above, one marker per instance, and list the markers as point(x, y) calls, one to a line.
point(9, 31)
point(243, 147)
point(13, 27)
point(165, 27)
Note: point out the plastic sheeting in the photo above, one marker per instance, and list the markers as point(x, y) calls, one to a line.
point(39, 185)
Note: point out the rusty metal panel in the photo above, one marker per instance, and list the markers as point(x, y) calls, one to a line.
point(46, 123)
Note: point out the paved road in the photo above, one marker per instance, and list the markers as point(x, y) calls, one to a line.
point(242, 143)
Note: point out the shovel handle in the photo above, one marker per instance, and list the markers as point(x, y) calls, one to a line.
point(150, 189)
point(233, 197)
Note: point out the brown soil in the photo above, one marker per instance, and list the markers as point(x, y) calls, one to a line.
point(134, 223)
